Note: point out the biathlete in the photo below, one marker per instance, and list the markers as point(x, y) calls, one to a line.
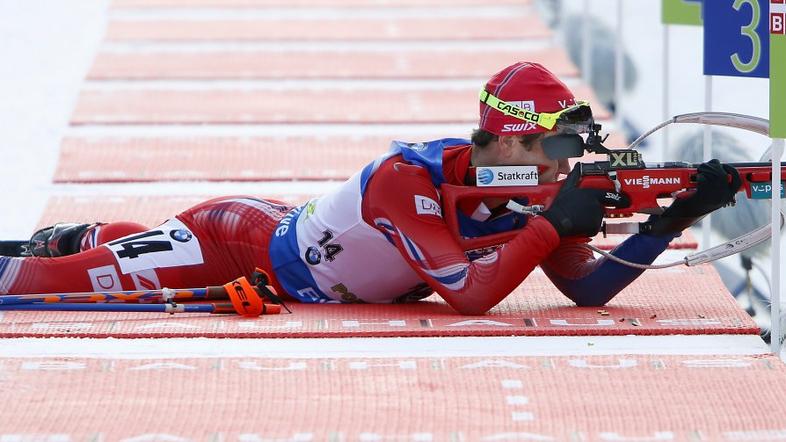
point(381, 237)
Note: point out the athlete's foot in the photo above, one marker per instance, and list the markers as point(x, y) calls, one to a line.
point(62, 239)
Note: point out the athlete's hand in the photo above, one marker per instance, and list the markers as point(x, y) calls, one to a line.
point(577, 211)
point(716, 185)
point(714, 190)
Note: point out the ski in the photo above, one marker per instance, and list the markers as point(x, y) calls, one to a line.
point(14, 248)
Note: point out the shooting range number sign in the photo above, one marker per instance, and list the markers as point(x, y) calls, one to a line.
point(736, 38)
point(778, 17)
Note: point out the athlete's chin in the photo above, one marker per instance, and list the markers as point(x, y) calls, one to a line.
point(547, 179)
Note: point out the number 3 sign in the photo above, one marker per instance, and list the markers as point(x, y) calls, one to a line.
point(736, 38)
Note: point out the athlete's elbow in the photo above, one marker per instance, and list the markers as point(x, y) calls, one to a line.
point(473, 310)
point(471, 302)
point(596, 299)
point(586, 295)
point(470, 308)
point(591, 302)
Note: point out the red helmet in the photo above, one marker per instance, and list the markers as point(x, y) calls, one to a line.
point(528, 86)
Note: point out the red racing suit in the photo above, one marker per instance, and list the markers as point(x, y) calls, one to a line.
point(380, 237)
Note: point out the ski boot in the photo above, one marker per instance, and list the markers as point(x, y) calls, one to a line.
point(62, 239)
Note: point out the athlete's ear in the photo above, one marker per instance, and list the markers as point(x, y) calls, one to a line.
point(507, 144)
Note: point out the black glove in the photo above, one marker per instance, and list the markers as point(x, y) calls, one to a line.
point(580, 211)
point(713, 191)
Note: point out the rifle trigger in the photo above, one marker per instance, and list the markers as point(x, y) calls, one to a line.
point(612, 174)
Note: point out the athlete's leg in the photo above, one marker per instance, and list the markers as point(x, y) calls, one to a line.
point(94, 270)
point(210, 244)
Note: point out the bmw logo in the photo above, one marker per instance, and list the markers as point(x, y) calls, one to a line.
point(485, 176)
point(313, 256)
point(181, 235)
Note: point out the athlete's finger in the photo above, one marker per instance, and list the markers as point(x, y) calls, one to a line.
point(736, 181)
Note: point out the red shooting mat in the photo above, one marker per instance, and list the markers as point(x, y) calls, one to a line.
point(299, 64)
point(611, 398)
point(518, 26)
point(306, 3)
point(239, 106)
point(204, 158)
point(93, 160)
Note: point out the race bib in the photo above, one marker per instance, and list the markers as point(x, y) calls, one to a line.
point(169, 245)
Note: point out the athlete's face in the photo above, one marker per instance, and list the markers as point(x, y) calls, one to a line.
point(514, 153)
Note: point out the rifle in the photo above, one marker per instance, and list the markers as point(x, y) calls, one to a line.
point(624, 171)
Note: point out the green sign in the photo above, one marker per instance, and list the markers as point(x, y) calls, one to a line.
point(763, 191)
point(681, 12)
point(778, 69)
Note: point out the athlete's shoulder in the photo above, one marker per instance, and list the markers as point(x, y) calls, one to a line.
point(428, 154)
point(425, 152)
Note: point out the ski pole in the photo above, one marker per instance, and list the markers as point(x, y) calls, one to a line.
point(171, 308)
point(150, 296)
point(246, 300)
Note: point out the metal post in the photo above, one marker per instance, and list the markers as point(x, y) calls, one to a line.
point(776, 329)
point(666, 90)
point(705, 231)
point(586, 46)
point(619, 69)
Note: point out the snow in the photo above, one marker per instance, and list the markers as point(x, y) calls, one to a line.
point(47, 48)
